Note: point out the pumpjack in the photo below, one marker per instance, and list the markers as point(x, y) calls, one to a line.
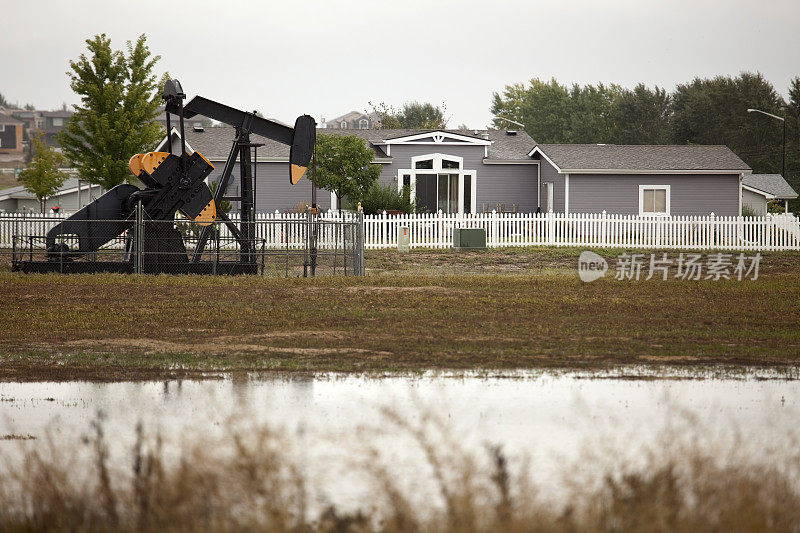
point(176, 183)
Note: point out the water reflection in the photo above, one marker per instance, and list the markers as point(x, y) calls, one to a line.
point(553, 419)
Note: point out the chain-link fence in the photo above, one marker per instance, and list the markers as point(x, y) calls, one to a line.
point(286, 245)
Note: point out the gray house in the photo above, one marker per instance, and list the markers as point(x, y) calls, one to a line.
point(474, 171)
point(73, 195)
point(758, 189)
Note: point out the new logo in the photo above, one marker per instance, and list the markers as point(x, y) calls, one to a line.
point(591, 266)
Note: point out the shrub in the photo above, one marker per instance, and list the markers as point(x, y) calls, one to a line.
point(380, 198)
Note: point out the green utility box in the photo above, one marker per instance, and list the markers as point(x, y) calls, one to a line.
point(469, 239)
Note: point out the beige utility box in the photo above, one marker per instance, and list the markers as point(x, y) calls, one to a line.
point(403, 239)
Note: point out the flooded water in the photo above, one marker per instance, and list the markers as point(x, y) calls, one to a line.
point(554, 420)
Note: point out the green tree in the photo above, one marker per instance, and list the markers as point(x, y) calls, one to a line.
point(413, 115)
point(544, 107)
point(344, 166)
point(43, 176)
point(714, 111)
point(3, 101)
point(119, 104)
point(641, 116)
point(793, 140)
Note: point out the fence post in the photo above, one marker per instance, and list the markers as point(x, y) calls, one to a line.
point(138, 232)
point(360, 243)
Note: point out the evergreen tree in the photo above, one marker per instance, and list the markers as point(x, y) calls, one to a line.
point(116, 118)
point(42, 176)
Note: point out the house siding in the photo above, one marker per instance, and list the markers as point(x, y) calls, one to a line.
point(551, 175)
point(510, 185)
point(273, 190)
point(690, 194)
point(757, 202)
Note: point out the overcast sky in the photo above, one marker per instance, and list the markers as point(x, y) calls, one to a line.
point(328, 57)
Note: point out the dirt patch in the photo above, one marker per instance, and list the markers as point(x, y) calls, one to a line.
point(215, 346)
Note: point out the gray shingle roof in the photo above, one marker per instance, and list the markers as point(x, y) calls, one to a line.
point(643, 157)
point(20, 191)
point(5, 119)
point(773, 184)
point(215, 143)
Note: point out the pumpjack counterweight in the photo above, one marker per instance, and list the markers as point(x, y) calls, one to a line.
point(176, 183)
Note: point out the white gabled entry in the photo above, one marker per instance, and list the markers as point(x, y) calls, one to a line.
point(456, 188)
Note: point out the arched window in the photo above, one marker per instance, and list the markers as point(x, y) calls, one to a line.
point(343, 125)
point(363, 124)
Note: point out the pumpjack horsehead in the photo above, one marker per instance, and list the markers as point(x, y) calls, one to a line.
point(175, 182)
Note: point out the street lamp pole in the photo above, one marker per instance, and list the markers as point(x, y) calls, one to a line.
point(782, 119)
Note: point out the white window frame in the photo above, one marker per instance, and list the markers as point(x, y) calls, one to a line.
point(437, 169)
point(60, 123)
point(2, 127)
point(363, 124)
point(665, 188)
point(343, 125)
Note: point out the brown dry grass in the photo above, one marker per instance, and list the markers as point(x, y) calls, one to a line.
point(254, 486)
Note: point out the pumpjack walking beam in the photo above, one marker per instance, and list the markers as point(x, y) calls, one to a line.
point(301, 139)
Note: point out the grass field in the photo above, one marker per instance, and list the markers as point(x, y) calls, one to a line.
point(425, 310)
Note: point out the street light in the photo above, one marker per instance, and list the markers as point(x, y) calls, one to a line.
point(512, 121)
point(783, 158)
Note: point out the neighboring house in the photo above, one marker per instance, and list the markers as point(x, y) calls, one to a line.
point(32, 119)
point(52, 124)
point(474, 171)
point(650, 180)
point(11, 132)
point(758, 189)
point(354, 120)
point(73, 195)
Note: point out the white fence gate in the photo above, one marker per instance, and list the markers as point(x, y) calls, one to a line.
point(770, 232)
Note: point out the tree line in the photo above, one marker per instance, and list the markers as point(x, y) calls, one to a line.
point(702, 111)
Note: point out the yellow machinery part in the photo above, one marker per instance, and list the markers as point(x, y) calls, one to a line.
point(151, 160)
point(207, 215)
point(297, 172)
point(135, 164)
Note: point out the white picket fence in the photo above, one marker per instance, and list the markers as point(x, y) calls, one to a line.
point(279, 230)
point(771, 232)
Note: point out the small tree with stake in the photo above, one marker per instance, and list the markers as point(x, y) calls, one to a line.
point(344, 166)
point(43, 177)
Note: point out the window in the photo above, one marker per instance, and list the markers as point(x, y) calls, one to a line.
point(654, 200)
point(343, 125)
point(2, 127)
point(438, 182)
point(363, 124)
point(58, 121)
